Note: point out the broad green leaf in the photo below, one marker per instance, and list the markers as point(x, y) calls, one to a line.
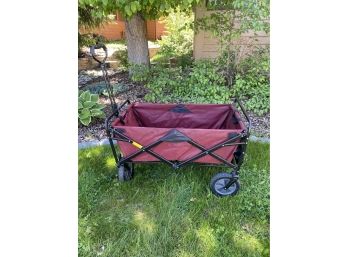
point(85, 96)
point(97, 113)
point(80, 105)
point(94, 98)
point(84, 114)
point(99, 106)
point(88, 104)
point(86, 121)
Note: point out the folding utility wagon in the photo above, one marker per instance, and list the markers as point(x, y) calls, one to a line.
point(178, 134)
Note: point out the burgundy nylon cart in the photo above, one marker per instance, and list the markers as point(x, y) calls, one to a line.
point(178, 134)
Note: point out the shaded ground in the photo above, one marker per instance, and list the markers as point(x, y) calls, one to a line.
point(172, 213)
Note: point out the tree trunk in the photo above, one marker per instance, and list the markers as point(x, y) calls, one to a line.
point(137, 47)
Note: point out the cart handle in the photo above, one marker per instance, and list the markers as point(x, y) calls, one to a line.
point(98, 46)
point(236, 100)
point(105, 73)
point(116, 113)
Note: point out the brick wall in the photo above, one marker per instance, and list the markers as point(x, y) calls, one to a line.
point(115, 30)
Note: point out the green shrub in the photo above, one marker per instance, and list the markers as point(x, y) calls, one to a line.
point(120, 53)
point(178, 42)
point(85, 40)
point(142, 73)
point(206, 82)
point(89, 107)
point(252, 82)
point(200, 84)
point(122, 56)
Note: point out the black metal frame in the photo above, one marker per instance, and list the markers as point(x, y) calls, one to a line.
point(116, 134)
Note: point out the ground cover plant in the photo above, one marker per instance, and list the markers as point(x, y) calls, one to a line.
point(162, 212)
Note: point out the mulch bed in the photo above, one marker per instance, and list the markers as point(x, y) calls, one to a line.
point(135, 93)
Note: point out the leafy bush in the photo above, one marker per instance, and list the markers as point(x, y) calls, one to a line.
point(252, 82)
point(142, 73)
point(120, 53)
point(122, 56)
point(233, 19)
point(207, 82)
point(200, 84)
point(89, 107)
point(88, 40)
point(84, 40)
point(178, 42)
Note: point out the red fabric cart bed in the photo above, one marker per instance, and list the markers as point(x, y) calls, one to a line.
point(206, 124)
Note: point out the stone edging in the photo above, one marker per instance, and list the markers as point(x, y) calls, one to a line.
point(260, 139)
point(94, 143)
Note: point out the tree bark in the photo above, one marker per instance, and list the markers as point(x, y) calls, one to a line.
point(137, 46)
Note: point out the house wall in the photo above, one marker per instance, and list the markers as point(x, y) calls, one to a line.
point(160, 28)
point(155, 29)
point(206, 46)
point(115, 30)
point(112, 30)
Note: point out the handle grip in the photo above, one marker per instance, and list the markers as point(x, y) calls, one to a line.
point(98, 46)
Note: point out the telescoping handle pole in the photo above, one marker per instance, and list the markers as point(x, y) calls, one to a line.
point(105, 73)
point(236, 100)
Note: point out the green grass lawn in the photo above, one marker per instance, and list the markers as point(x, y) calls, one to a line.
point(165, 212)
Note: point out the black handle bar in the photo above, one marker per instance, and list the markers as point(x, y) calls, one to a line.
point(115, 113)
point(98, 46)
point(244, 113)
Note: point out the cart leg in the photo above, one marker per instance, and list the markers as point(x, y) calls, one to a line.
point(125, 172)
point(113, 150)
point(234, 178)
point(238, 158)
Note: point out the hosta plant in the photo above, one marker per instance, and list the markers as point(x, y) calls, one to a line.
point(89, 107)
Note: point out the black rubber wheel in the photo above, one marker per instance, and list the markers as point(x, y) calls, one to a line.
point(218, 182)
point(125, 173)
